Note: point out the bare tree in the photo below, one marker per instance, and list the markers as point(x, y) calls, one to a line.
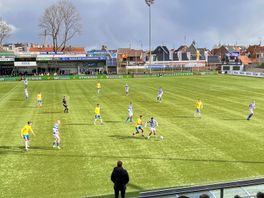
point(5, 31)
point(61, 21)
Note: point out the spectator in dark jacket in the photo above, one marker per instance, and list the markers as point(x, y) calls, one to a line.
point(120, 179)
point(204, 196)
point(260, 195)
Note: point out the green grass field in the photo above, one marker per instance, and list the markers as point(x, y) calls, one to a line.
point(222, 146)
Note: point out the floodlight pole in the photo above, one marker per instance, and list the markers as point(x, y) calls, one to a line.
point(150, 34)
point(149, 3)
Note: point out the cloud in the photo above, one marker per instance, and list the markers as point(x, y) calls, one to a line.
point(13, 29)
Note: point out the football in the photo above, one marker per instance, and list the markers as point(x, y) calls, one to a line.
point(161, 137)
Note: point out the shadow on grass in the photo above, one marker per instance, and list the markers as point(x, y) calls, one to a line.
point(52, 112)
point(112, 121)
point(10, 150)
point(125, 137)
point(186, 117)
point(40, 148)
point(154, 158)
point(17, 100)
point(134, 186)
point(234, 119)
point(14, 150)
point(79, 124)
point(128, 195)
point(21, 149)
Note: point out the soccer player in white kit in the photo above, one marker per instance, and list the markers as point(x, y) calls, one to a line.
point(56, 135)
point(130, 112)
point(126, 89)
point(160, 93)
point(26, 83)
point(251, 106)
point(26, 93)
point(152, 123)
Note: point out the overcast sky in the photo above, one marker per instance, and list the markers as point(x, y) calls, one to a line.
point(124, 23)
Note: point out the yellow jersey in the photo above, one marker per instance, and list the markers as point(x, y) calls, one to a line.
point(98, 85)
point(26, 129)
point(97, 110)
point(39, 97)
point(139, 122)
point(199, 105)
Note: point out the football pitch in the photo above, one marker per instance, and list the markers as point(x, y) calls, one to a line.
point(221, 146)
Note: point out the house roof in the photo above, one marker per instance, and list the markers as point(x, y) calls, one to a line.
point(203, 50)
point(77, 50)
point(217, 51)
point(255, 49)
point(192, 48)
point(182, 48)
point(130, 52)
point(245, 60)
point(234, 48)
point(164, 48)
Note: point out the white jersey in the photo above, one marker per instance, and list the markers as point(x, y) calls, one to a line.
point(160, 92)
point(152, 123)
point(130, 110)
point(25, 82)
point(252, 106)
point(55, 129)
point(126, 88)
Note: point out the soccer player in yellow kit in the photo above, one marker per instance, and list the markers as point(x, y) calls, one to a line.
point(39, 100)
point(199, 107)
point(98, 86)
point(139, 126)
point(98, 114)
point(25, 133)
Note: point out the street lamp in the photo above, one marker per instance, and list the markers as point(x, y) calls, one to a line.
point(149, 3)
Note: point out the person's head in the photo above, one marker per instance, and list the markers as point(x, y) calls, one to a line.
point(260, 195)
point(119, 163)
point(204, 196)
point(58, 121)
point(98, 105)
point(29, 123)
point(151, 118)
point(140, 116)
point(64, 97)
point(130, 103)
point(237, 196)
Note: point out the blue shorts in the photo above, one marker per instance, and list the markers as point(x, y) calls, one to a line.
point(198, 110)
point(39, 101)
point(26, 137)
point(98, 117)
point(139, 127)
